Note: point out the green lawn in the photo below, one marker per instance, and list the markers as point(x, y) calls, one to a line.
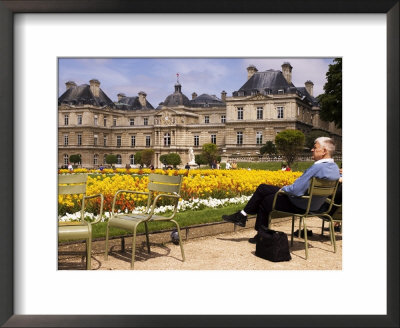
point(184, 219)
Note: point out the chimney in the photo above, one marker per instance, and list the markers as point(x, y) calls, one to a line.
point(142, 98)
point(121, 95)
point(70, 84)
point(250, 71)
point(194, 95)
point(95, 87)
point(223, 95)
point(309, 87)
point(287, 71)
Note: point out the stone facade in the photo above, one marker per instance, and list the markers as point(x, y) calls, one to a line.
point(239, 125)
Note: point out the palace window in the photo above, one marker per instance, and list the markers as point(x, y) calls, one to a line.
point(105, 141)
point(240, 113)
point(66, 119)
point(104, 159)
point(119, 159)
point(196, 141)
point(95, 159)
point(132, 159)
point(114, 121)
point(96, 120)
point(66, 159)
point(65, 139)
point(105, 121)
point(118, 141)
point(145, 121)
point(260, 112)
point(239, 138)
point(133, 141)
point(281, 92)
point(131, 121)
point(214, 139)
point(259, 138)
point(223, 118)
point(79, 119)
point(148, 142)
point(95, 138)
point(206, 119)
point(79, 140)
point(279, 112)
point(167, 139)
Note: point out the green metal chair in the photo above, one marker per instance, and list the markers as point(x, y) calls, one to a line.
point(73, 184)
point(159, 186)
point(336, 217)
point(318, 187)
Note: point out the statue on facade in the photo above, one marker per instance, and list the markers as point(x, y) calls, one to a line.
point(191, 157)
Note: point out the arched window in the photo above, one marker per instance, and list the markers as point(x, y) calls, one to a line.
point(132, 159)
point(119, 159)
point(66, 159)
point(167, 139)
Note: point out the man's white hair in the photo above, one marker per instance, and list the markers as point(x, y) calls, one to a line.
point(326, 143)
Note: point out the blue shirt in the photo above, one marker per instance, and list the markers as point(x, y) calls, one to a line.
point(323, 169)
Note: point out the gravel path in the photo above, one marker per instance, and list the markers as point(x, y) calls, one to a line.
point(225, 251)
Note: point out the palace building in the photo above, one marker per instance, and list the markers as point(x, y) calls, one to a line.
point(92, 125)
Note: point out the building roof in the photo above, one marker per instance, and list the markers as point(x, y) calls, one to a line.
point(260, 81)
point(82, 95)
point(206, 100)
point(131, 103)
point(176, 99)
point(305, 93)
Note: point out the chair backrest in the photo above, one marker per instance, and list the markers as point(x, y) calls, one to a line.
point(72, 184)
point(164, 183)
point(322, 187)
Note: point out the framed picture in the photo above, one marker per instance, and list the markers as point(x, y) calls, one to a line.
point(13, 172)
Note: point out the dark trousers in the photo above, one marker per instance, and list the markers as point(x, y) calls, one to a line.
point(261, 204)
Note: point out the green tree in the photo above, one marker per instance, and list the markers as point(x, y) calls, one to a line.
point(269, 148)
point(164, 159)
point(147, 156)
point(209, 151)
point(138, 158)
point(200, 159)
point(75, 158)
point(310, 137)
point(173, 159)
point(331, 100)
point(111, 159)
point(290, 143)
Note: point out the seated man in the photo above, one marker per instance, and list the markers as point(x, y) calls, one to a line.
point(261, 201)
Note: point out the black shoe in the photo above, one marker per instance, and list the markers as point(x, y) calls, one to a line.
point(309, 233)
point(236, 218)
point(254, 239)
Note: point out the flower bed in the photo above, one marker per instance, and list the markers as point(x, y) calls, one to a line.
point(197, 185)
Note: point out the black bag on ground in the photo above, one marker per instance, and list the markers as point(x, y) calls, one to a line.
point(272, 245)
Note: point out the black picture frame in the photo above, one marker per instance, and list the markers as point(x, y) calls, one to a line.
point(7, 10)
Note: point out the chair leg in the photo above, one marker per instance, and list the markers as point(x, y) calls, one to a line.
point(133, 246)
point(147, 237)
point(291, 237)
point(180, 240)
point(89, 253)
point(322, 229)
point(106, 250)
point(333, 236)
point(305, 236)
point(89, 249)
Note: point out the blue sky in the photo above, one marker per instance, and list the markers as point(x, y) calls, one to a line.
point(157, 76)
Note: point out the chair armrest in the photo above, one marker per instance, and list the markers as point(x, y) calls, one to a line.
point(282, 192)
point(101, 206)
point(127, 191)
point(177, 196)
